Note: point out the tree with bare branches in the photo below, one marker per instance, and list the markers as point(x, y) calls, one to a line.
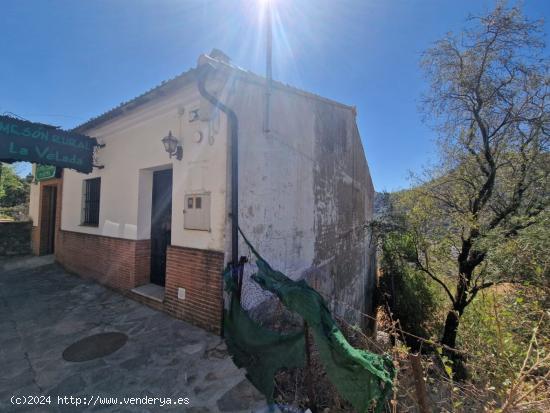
point(488, 99)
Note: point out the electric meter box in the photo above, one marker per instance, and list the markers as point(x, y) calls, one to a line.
point(197, 212)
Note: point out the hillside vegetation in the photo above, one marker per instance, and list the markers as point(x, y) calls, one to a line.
point(464, 252)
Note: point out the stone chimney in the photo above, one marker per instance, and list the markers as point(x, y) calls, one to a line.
point(219, 55)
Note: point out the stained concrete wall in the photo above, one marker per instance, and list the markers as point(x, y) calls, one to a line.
point(344, 196)
point(305, 194)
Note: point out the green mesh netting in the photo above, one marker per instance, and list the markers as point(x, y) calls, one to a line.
point(363, 378)
point(261, 351)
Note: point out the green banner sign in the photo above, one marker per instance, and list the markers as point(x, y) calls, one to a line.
point(35, 142)
point(44, 172)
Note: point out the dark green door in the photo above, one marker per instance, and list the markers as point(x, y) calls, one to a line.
point(161, 218)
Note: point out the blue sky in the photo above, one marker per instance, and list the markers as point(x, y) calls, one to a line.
point(63, 62)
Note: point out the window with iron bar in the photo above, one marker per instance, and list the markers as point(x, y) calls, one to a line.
point(90, 212)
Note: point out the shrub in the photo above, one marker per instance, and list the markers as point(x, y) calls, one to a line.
point(411, 297)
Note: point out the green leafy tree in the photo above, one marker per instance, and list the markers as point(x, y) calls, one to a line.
point(488, 98)
point(411, 298)
point(13, 189)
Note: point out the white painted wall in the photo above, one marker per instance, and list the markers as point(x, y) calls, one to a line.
point(297, 231)
point(276, 198)
point(133, 151)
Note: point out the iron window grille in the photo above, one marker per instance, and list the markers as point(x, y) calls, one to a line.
point(92, 189)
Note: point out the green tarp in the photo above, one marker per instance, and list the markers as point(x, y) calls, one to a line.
point(363, 378)
point(261, 351)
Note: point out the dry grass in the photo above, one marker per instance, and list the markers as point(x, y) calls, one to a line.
point(445, 395)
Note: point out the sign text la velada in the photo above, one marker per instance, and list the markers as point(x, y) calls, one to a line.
point(34, 142)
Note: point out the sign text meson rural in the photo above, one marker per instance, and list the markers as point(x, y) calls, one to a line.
point(34, 142)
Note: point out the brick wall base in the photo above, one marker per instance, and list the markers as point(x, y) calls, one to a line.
point(118, 263)
point(200, 273)
point(123, 264)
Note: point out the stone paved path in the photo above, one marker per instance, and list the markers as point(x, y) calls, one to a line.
point(44, 310)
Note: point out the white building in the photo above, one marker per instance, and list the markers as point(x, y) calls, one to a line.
point(163, 224)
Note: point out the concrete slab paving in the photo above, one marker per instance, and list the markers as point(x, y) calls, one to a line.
point(43, 310)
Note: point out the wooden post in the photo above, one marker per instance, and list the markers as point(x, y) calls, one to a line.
point(419, 384)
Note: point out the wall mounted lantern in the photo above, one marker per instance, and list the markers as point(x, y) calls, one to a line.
point(172, 146)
